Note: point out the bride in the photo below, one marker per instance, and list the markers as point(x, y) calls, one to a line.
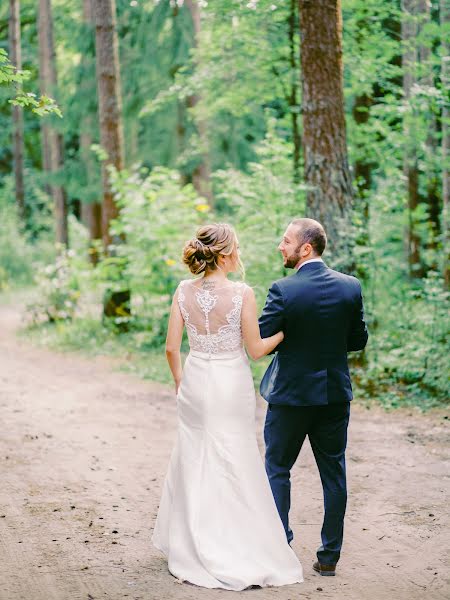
point(217, 523)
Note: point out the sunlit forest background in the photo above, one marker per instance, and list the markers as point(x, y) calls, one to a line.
point(126, 124)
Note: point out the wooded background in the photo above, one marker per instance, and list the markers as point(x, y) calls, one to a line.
point(170, 114)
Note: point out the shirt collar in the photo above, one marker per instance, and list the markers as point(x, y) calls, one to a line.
point(311, 260)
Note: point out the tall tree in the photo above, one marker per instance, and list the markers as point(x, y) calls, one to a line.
point(116, 303)
point(91, 211)
point(177, 63)
point(324, 133)
point(426, 80)
point(293, 100)
point(201, 176)
point(362, 103)
point(410, 165)
point(445, 80)
point(109, 105)
point(52, 142)
point(17, 111)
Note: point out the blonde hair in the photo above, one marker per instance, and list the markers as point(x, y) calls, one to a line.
point(201, 253)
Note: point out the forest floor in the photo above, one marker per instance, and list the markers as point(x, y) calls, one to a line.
point(83, 453)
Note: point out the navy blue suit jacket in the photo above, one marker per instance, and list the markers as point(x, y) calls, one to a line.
point(321, 314)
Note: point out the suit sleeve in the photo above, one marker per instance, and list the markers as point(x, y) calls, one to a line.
point(272, 317)
point(358, 335)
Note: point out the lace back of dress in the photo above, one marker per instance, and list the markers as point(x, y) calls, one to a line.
point(212, 315)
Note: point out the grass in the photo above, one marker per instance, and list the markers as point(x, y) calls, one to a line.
point(136, 353)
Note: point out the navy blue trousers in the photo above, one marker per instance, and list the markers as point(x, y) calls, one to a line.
point(326, 427)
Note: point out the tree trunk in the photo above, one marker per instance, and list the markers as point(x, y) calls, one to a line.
point(293, 97)
point(52, 142)
point(431, 144)
point(410, 165)
point(201, 176)
point(363, 167)
point(109, 106)
point(445, 80)
point(91, 212)
point(91, 216)
point(17, 111)
point(116, 303)
point(180, 128)
point(324, 134)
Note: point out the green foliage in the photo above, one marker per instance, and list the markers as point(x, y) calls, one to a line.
point(260, 204)
point(14, 78)
point(19, 256)
point(57, 290)
point(157, 217)
point(241, 75)
point(406, 361)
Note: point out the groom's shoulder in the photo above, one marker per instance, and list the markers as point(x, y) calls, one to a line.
point(349, 280)
point(284, 283)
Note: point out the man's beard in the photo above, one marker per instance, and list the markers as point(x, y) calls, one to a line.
point(291, 261)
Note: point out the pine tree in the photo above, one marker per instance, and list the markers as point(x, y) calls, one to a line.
point(17, 111)
point(324, 133)
point(109, 105)
point(52, 142)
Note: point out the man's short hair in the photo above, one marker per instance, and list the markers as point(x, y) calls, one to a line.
point(311, 232)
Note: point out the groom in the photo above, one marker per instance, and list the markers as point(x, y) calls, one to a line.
point(307, 384)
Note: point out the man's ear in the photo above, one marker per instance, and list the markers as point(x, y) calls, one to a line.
point(307, 249)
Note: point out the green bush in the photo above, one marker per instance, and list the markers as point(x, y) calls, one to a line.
point(405, 361)
point(19, 254)
point(260, 204)
point(157, 217)
point(407, 355)
point(57, 290)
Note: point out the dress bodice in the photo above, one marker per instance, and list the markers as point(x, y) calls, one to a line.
point(212, 315)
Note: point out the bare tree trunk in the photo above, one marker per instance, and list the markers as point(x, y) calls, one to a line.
point(181, 137)
point(445, 79)
point(109, 105)
point(52, 141)
point(201, 177)
point(91, 212)
point(324, 133)
point(180, 129)
point(431, 145)
point(116, 303)
point(410, 166)
point(293, 97)
point(17, 111)
point(91, 216)
point(363, 167)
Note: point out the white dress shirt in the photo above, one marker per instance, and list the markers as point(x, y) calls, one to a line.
point(311, 260)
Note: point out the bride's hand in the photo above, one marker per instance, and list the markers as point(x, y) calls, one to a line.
point(280, 336)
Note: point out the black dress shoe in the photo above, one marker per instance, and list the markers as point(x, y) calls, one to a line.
point(324, 570)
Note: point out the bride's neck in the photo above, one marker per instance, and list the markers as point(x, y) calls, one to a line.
point(215, 276)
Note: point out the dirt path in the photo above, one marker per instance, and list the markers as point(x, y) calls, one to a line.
point(83, 452)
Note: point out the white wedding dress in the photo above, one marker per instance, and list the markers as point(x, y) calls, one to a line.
point(217, 523)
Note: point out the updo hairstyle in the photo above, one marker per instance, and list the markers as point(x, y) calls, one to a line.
point(202, 252)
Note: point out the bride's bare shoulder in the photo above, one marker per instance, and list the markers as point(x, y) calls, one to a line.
point(188, 282)
point(245, 290)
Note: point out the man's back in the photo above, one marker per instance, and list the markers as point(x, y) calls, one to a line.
point(321, 314)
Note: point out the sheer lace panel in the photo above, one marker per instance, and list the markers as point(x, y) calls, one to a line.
point(212, 315)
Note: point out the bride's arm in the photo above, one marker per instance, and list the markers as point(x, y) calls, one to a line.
point(256, 346)
point(173, 341)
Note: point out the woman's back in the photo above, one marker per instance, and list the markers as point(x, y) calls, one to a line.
point(212, 315)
